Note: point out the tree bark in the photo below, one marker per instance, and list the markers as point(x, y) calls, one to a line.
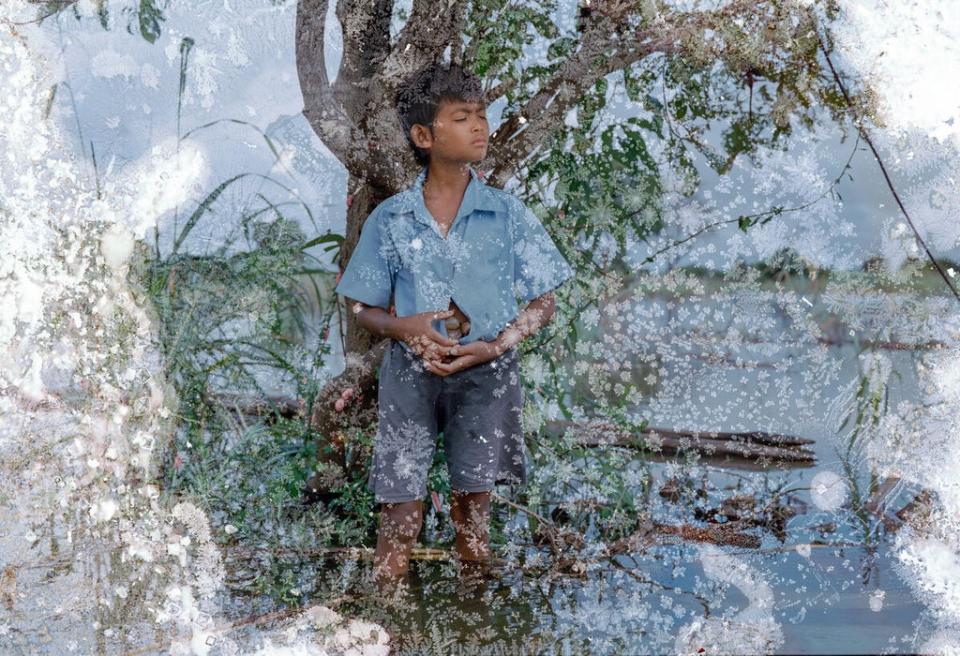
point(364, 198)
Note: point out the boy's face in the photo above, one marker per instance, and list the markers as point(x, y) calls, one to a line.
point(460, 132)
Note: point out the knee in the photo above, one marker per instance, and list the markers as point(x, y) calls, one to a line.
point(401, 521)
point(470, 507)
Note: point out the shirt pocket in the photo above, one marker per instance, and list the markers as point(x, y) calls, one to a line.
point(490, 256)
point(410, 241)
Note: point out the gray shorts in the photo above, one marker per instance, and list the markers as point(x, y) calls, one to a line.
point(478, 411)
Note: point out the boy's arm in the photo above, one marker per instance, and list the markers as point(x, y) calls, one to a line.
point(531, 319)
point(375, 320)
point(416, 330)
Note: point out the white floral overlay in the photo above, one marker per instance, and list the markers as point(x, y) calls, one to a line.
point(86, 535)
point(85, 410)
point(907, 51)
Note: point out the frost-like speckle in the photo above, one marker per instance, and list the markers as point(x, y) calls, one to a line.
point(149, 76)
point(86, 407)
point(752, 630)
point(828, 490)
point(889, 42)
point(109, 63)
point(906, 51)
point(86, 411)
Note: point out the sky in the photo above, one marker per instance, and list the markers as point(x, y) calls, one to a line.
point(122, 102)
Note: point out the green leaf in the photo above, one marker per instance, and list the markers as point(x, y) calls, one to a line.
point(203, 207)
point(103, 14)
point(561, 48)
point(680, 109)
point(150, 16)
point(328, 238)
point(737, 138)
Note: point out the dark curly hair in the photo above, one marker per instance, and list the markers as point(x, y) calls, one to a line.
point(418, 99)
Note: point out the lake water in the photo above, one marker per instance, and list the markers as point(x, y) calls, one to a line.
point(789, 596)
point(786, 597)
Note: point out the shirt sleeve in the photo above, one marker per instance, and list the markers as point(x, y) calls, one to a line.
point(371, 272)
point(538, 265)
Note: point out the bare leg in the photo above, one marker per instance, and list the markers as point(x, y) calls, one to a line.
point(399, 528)
point(470, 512)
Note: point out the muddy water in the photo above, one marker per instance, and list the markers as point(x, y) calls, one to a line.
point(790, 598)
point(828, 583)
point(792, 595)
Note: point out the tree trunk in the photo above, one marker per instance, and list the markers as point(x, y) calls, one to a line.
point(364, 198)
point(363, 353)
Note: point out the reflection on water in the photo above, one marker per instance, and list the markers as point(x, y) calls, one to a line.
point(666, 601)
point(822, 567)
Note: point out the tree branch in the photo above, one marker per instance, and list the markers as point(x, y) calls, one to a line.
point(423, 38)
point(602, 51)
point(752, 445)
point(325, 114)
point(366, 42)
point(858, 121)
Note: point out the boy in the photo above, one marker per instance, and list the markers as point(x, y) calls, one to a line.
point(454, 255)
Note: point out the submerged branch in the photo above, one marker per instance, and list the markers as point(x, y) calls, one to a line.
point(885, 345)
point(361, 376)
point(280, 405)
point(750, 445)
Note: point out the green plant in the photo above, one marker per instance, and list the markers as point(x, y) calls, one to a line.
point(872, 401)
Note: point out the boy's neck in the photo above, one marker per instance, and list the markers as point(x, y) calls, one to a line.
point(446, 179)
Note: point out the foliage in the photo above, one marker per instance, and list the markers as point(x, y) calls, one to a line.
point(872, 403)
point(609, 179)
point(225, 313)
point(145, 17)
point(223, 318)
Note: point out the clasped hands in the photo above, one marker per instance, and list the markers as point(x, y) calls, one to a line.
point(442, 355)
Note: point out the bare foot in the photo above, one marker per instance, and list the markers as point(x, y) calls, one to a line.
point(470, 512)
point(399, 527)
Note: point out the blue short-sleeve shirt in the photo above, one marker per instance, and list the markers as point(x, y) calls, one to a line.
point(496, 256)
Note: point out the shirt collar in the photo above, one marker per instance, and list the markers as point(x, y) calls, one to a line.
point(474, 197)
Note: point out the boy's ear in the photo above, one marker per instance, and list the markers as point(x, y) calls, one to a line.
point(421, 135)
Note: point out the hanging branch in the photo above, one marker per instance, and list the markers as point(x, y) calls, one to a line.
point(858, 122)
point(744, 221)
